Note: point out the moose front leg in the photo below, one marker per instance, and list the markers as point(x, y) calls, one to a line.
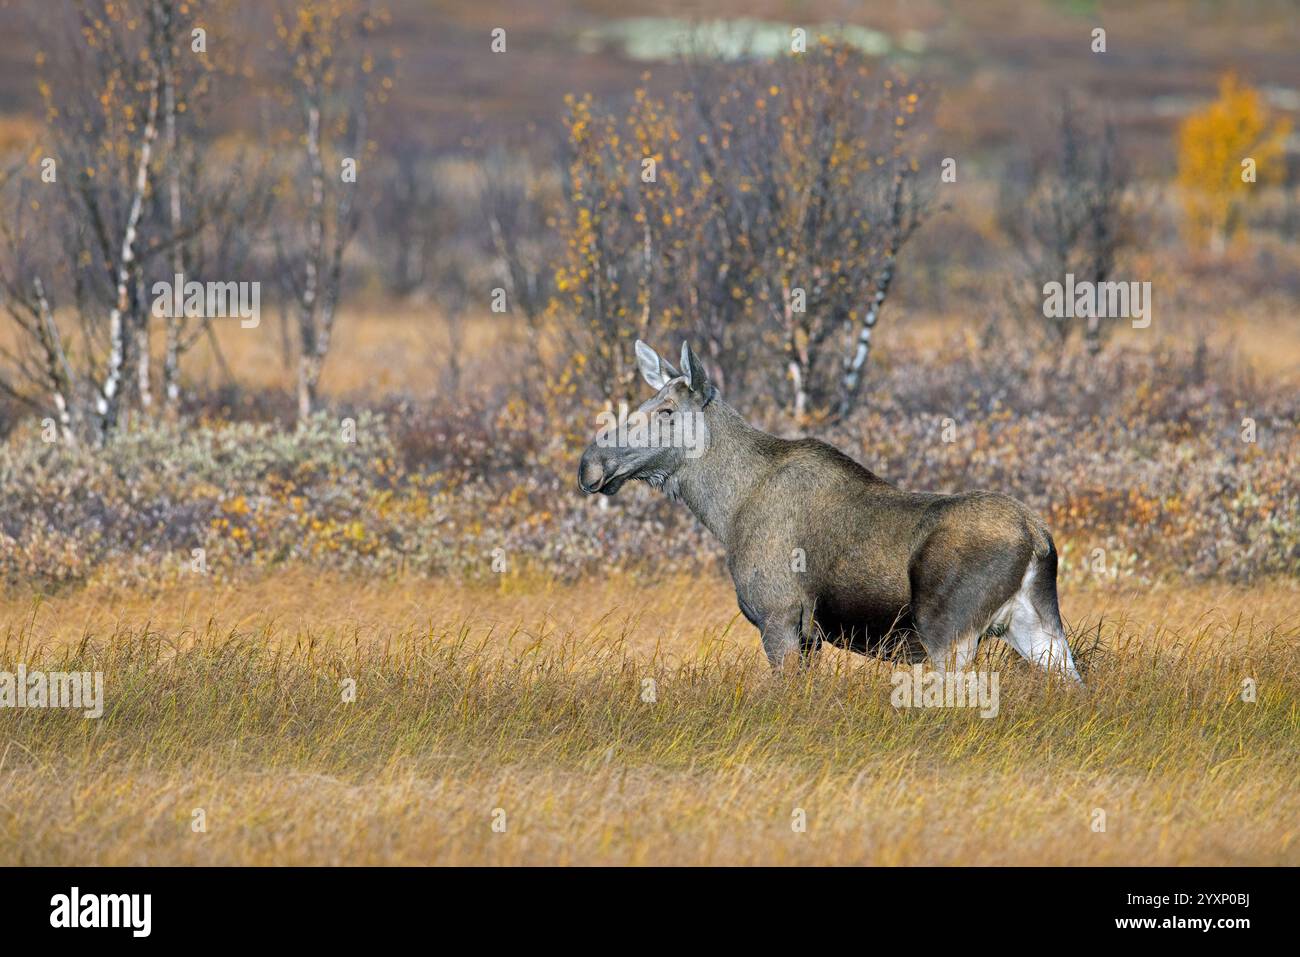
point(789, 638)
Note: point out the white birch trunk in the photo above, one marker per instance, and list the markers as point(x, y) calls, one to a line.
point(110, 394)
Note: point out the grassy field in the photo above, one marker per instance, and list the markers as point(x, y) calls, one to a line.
point(524, 705)
point(519, 700)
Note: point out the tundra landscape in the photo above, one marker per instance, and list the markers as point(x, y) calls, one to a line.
point(316, 522)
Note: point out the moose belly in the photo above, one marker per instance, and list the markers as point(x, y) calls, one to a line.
point(868, 621)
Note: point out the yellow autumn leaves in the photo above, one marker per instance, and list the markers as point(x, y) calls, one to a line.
point(1224, 151)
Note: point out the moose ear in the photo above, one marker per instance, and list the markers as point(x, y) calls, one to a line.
point(654, 368)
point(693, 369)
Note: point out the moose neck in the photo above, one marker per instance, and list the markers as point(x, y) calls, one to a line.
point(714, 485)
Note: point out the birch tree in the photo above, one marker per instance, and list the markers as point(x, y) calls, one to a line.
point(102, 107)
point(332, 78)
point(124, 192)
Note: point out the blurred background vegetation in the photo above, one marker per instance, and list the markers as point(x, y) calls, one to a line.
point(437, 334)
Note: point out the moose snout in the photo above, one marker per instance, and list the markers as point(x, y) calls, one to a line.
point(600, 473)
point(591, 472)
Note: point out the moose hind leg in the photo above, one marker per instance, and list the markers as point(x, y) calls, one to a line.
point(956, 595)
point(948, 637)
point(1036, 631)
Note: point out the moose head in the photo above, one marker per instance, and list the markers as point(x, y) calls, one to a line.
point(653, 442)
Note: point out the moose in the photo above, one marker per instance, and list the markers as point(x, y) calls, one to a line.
point(821, 548)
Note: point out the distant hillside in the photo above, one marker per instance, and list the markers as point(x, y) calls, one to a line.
point(994, 62)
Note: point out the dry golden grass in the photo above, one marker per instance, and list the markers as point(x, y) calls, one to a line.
point(405, 347)
point(374, 352)
point(678, 616)
point(393, 349)
point(528, 697)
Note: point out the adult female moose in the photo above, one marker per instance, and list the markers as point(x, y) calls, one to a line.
point(818, 546)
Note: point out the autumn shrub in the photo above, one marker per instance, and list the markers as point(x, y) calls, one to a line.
point(1146, 466)
point(1224, 151)
point(760, 211)
point(1067, 209)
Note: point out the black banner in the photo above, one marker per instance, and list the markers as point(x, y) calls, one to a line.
point(609, 908)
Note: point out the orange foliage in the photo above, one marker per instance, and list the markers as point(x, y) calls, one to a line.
point(1223, 149)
